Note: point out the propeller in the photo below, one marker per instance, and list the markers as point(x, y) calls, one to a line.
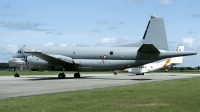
point(14, 63)
point(14, 69)
point(25, 60)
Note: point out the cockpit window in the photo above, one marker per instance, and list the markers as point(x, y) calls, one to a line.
point(19, 51)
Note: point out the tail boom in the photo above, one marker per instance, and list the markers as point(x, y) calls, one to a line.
point(162, 55)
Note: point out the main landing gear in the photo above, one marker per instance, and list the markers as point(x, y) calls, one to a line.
point(62, 75)
point(77, 75)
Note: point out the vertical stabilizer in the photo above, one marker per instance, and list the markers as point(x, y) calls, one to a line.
point(155, 33)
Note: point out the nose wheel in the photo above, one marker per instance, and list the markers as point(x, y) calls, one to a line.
point(16, 75)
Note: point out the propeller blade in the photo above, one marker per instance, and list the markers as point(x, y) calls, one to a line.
point(25, 59)
point(14, 69)
point(21, 68)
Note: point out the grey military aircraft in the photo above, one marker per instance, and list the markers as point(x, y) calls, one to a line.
point(152, 47)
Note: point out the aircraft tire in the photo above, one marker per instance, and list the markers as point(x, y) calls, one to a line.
point(77, 75)
point(16, 75)
point(61, 76)
point(142, 74)
point(115, 73)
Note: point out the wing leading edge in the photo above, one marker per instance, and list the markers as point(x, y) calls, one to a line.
point(51, 58)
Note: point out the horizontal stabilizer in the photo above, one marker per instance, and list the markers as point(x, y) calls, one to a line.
point(148, 48)
point(178, 60)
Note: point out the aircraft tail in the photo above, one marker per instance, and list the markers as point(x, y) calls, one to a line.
point(154, 34)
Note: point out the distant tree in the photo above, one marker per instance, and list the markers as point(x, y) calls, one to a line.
point(4, 65)
point(198, 67)
point(181, 68)
point(189, 68)
point(170, 68)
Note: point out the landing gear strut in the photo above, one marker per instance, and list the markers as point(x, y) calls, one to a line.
point(15, 71)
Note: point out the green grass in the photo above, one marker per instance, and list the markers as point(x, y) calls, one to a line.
point(181, 95)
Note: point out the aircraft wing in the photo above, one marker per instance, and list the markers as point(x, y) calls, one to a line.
point(52, 58)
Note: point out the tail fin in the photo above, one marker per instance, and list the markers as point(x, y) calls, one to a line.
point(154, 34)
point(178, 60)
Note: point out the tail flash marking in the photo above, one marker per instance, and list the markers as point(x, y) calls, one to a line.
point(165, 65)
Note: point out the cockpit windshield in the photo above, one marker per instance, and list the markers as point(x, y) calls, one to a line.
point(19, 51)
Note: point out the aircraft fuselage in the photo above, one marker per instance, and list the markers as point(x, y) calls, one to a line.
point(94, 58)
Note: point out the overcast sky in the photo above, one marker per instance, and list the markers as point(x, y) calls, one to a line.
point(96, 23)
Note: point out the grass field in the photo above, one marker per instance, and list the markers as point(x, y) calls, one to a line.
point(181, 95)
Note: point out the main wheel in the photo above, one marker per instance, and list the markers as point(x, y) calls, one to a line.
point(16, 75)
point(77, 75)
point(61, 76)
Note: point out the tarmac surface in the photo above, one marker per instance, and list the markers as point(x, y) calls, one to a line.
point(28, 85)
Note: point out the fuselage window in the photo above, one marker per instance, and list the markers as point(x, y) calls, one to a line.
point(111, 52)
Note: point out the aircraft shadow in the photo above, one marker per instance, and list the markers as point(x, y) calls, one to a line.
point(93, 78)
point(54, 78)
point(172, 75)
point(81, 78)
point(141, 79)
